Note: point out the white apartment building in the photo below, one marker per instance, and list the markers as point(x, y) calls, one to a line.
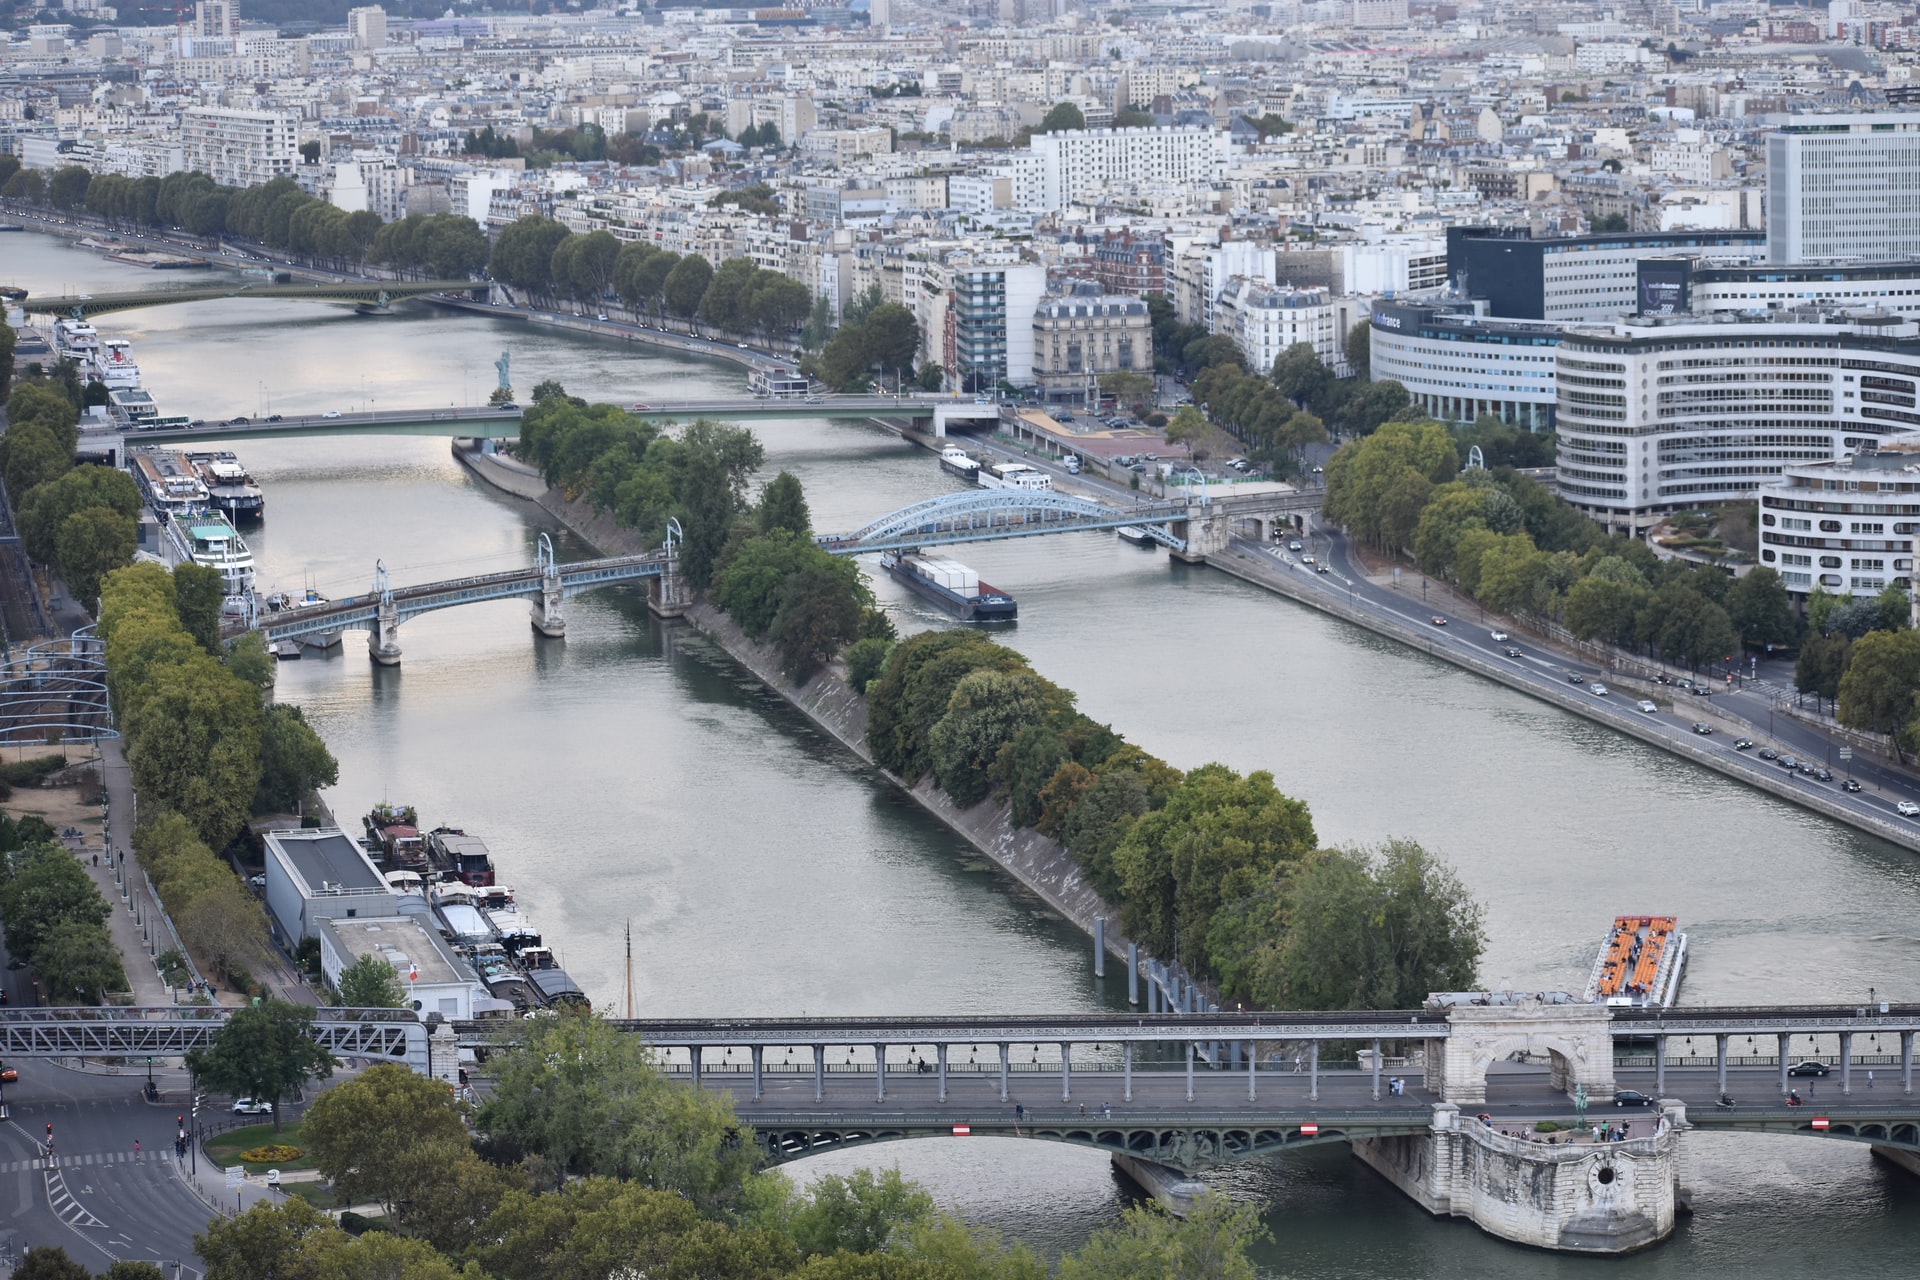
point(368, 27)
point(238, 148)
point(1660, 413)
point(1060, 168)
point(1379, 13)
point(845, 146)
point(1843, 187)
point(976, 312)
point(1197, 274)
point(214, 19)
point(1847, 525)
point(1265, 319)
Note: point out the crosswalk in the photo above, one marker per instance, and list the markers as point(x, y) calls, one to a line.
point(69, 1210)
point(69, 1162)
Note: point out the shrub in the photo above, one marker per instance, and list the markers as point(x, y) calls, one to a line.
point(270, 1154)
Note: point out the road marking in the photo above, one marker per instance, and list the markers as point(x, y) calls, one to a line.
point(64, 1206)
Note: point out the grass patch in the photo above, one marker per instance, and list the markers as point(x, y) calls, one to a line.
point(318, 1194)
point(226, 1148)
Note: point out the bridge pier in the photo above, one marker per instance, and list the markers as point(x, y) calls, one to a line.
point(757, 1050)
point(549, 615)
point(1846, 1063)
point(1207, 531)
point(667, 595)
point(693, 1058)
point(1906, 1062)
point(941, 1051)
point(1126, 1072)
point(1003, 1071)
point(1784, 1038)
point(1066, 1073)
point(1720, 1061)
point(383, 642)
point(879, 1073)
point(819, 1073)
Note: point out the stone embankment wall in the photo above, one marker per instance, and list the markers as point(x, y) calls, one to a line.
point(1044, 866)
point(1586, 1197)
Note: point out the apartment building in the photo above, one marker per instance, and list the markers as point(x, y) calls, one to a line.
point(1265, 319)
point(1082, 334)
point(238, 148)
point(1844, 187)
point(976, 312)
point(1060, 168)
point(1846, 525)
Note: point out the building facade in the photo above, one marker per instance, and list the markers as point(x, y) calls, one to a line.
point(976, 315)
point(1458, 365)
point(1844, 187)
point(1066, 166)
point(1571, 279)
point(1079, 336)
point(1265, 319)
point(1847, 525)
point(1657, 414)
point(238, 148)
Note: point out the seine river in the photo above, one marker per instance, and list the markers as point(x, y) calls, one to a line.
point(631, 773)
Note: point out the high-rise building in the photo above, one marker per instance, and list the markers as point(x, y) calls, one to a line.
point(879, 16)
point(238, 148)
point(1062, 167)
point(368, 27)
point(215, 19)
point(1379, 13)
point(1843, 187)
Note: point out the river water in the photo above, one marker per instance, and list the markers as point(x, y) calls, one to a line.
point(632, 775)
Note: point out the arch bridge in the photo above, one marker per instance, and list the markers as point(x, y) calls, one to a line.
point(366, 294)
point(984, 515)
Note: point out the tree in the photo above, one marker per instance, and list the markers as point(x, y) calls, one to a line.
point(371, 983)
point(67, 189)
point(194, 736)
point(91, 544)
point(822, 608)
point(890, 337)
point(1877, 692)
point(1210, 1243)
point(1361, 478)
point(49, 1263)
point(221, 921)
point(1369, 929)
point(8, 341)
point(1300, 376)
point(128, 1270)
point(33, 457)
point(265, 1051)
point(1135, 390)
point(523, 256)
point(46, 506)
point(363, 1133)
point(985, 712)
point(783, 505)
point(197, 595)
point(1061, 118)
point(78, 961)
point(1821, 664)
point(1188, 426)
point(1217, 837)
point(1757, 605)
point(268, 1242)
point(587, 1097)
point(686, 284)
point(294, 761)
point(1359, 350)
point(45, 889)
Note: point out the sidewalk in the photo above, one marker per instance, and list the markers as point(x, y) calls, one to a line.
point(135, 921)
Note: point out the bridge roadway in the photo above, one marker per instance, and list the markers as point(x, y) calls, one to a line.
point(356, 612)
point(169, 1031)
point(362, 292)
point(499, 423)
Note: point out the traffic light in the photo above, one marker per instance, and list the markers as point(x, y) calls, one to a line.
point(49, 1128)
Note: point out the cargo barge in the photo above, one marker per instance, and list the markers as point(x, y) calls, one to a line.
point(955, 462)
point(952, 586)
point(1640, 963)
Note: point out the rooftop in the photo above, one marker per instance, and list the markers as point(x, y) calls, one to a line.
point(403, 943)
point(326, 859)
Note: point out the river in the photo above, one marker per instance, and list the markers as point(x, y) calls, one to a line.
point(632, 774)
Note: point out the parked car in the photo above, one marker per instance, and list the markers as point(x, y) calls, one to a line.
point(1851, 784)
point(1702, 727)
point(1648, 707)
point(1788, 762)
point(1811, 1067)
point(273, 417)
point(252, 1107)
point(1631, 1098)
point(1823, 773)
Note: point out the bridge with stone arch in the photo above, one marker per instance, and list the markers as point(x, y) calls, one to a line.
point(365, 294)
point(1169, 1095)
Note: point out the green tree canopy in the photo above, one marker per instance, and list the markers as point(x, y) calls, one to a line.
point(1063, 117)
point(265, 1051)
point(371, 983)
point(364, 1133)
point(294, 761)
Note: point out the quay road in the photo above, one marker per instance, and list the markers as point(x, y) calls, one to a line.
point(1739, 712)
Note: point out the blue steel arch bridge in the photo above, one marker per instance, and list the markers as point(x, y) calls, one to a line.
point(989, 514)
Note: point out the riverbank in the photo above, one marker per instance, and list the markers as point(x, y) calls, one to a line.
point(1042, 865)
point(1251, 566)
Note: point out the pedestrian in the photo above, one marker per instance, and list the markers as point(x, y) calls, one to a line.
point(1106, 1109)
point(136, 1148)
point(1811, 1081)
point(1019, 1111)
point(1296, 1064)
point(1083, 1108)
point(1869, 1079)
point(96, 859)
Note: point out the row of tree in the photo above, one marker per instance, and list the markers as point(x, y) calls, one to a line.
point(641, 476)
point(1505, 541)
point(590, 1163)
point(56, 921)
point(1216, 869)
point(78, 521)
point(204, 746)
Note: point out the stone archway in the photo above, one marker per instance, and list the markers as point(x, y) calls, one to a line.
point(1576, 1038)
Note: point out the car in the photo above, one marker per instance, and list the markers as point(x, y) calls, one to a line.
point(1139, 467)
point(1513, 651)
point(1768, 753)
point(743, 346)
point(1851, 784)
point(1701, 690)
point(1499, 635)
point(1702, 727)
point(1788, 762)
point(813, 399)
point(1437, 620)
point(1684, 683)
point(201, 422)
point(9, 1076)
point(1907, 809)
point(1663, 679)
point(1646, 706)
point(1811, 1067)
point(1597, 689)
point(1743, 744)
point(1806, 768)
point(1322, 569)
point(1824, 774)
point(1319, 471)
point(241, 420)
point(1150, 457)
point(1309, 560)
point(258, 882)
point(273, 417)
point(252, 1107)
point(1574, 677)
point(1294, 545)
point(638, 408)
point(1631, 1098)
point(508, 407)
point(601, 316)
point(331, 413)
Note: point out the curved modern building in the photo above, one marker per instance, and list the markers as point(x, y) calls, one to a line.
point(1458, 365)
point(1846, 525)
point(1661, 413)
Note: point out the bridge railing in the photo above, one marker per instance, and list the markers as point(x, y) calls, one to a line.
point(1067, 1116)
